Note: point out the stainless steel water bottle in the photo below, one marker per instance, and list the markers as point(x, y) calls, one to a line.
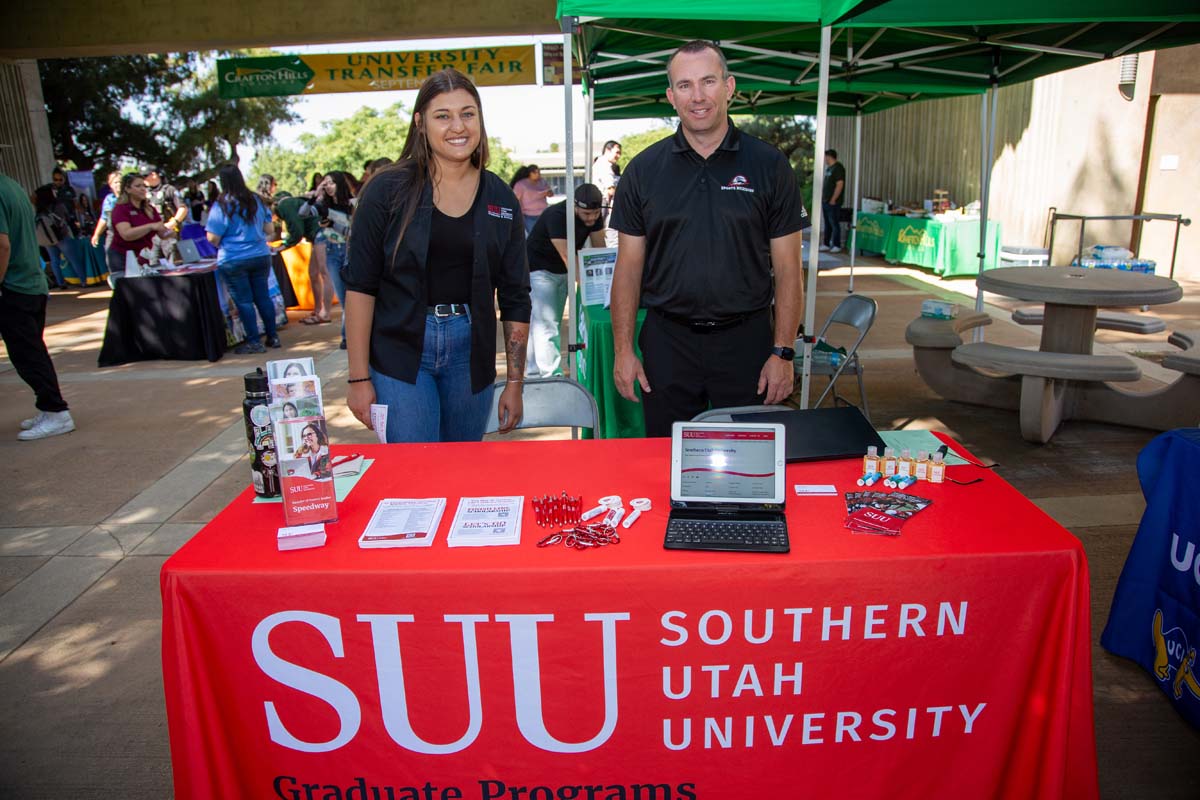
point(264, 468)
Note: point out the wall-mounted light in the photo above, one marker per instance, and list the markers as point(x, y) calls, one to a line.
point(1128, 76)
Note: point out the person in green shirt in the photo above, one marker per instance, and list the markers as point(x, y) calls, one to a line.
point(296, 228)
point(23, 297)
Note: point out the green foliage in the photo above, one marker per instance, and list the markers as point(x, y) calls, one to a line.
point(500, 159)
point(344, 144)
point(793, 136)
point(637, 142)
point(158, 110)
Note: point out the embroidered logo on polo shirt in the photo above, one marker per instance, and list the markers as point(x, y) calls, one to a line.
point(500, 212)
point(739, 183)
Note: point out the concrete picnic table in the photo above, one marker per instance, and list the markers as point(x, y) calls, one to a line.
point(1062, 379)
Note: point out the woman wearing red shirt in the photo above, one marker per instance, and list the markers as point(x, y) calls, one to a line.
point(135, 221)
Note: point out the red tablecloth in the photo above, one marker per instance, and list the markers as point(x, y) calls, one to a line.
point(952, 661)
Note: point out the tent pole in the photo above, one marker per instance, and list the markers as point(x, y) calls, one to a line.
point(589, 134)
point(810, 295)
point(569, 28)
point(857, 195)
point(987, 135)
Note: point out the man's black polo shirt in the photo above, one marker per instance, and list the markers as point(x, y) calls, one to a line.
point(708, 223)
point(552, 224)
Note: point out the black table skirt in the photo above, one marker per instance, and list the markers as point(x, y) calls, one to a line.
point(174, 317)
point(285, 281)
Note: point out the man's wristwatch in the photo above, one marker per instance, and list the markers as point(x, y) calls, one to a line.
point(786, 353)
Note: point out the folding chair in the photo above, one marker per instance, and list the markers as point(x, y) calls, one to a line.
point(726, 414)
point(551, 403)
point(856, 311)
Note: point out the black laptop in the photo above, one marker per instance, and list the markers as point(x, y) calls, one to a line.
point(822, 433)
point(727, 487)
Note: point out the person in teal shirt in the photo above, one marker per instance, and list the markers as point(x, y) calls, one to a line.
point(24, 294)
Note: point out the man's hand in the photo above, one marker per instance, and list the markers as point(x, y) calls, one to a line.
point(510, 408)
point(359, 398)
point(626, 370)
point(777, 379)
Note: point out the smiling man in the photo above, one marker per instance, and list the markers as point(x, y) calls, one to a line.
point(709, 223)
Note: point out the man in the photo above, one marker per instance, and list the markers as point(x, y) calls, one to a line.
point(832, 193)
point(705, 217)
point(23, 296)
point(606, 173)
point(170, 206)
point(57, 220)
point(547, 251)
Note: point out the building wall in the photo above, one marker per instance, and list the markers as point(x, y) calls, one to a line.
point(1067, 140)
point(26, 154)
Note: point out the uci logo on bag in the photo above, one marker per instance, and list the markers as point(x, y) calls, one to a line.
point(393, 699)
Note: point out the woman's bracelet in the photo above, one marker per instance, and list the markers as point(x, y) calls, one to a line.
point(514, 380)
point(357, 380)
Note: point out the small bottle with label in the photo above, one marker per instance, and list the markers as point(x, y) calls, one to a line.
point(871, 461)
point(921, 466)
point(904, 467)
point(937, 469)
point(889, 462)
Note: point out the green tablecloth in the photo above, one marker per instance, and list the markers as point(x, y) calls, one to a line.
point(947, 248)
point(619, 418)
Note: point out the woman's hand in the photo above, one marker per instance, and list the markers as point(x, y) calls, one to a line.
point(359, 399)
point(511, 407)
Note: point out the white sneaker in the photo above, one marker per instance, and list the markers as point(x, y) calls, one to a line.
point(26, 424)
point(835, 249)
point(823, 248)
point(52, 423)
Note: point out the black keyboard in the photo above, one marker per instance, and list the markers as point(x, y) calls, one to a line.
point(752, 536)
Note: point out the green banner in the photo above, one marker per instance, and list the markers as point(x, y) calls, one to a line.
point(266, 76)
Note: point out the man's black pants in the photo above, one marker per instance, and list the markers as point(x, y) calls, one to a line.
point(688, 371)
point(22, 322)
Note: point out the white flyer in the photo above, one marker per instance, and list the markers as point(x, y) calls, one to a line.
point(404, 522)
point(596, 267)
point(486, 521)
point(379, 421)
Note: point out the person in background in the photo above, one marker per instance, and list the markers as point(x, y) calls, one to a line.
point(170, 206)
point(238, 226)
point(193, 198)
point(114, 262)
point(331, 207)
point(606, 173)
point(832, 195)
point(374, 166)
point(136, 223)
point(266, 188)
point(547, 248)
point(437, 241)
point(296, 227)
point(56, 221)
point(317, 177)
point(532, 192)
point(23, 297)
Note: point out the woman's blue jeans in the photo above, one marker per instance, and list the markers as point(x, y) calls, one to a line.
point(440, 406)
point(248, 287)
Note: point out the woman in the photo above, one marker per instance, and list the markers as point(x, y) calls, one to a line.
point(115, 263)
point(315, 448)
point(238, 226)
point(136, 223)
point(533, 192)
point(437, 240)
point(332, 207)
point(267, 187)
point(290, 411)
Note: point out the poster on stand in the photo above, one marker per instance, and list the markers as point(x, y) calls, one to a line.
point(596, 266)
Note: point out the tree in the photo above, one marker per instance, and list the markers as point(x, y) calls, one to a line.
point(347, 144)
point(793, 136)
point(637, 142)
point(162, 110)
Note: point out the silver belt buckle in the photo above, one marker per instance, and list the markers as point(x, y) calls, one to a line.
point(437, 310)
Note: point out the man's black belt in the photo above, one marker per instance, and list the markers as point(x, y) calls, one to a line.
point(707, 325)
point(443, 310)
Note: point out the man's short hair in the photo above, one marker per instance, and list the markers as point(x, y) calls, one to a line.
point(699, 46)
point(58, 171)
point(610, 144)
point(831, 152)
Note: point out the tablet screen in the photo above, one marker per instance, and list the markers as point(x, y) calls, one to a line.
point(727, 463)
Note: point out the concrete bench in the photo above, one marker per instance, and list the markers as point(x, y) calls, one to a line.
point(1188, 360)
point(944, 333)
point(1065, 366)
point(1106, 320)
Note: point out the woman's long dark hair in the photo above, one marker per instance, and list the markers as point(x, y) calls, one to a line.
point(343, 189)
point(417, 157)
point(236, 197)
point(521, 174)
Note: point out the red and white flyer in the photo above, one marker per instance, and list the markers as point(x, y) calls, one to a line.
point(305, 471)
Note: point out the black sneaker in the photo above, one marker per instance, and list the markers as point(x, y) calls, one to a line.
point(342, 346)
point(273, 341)
point(246, 348)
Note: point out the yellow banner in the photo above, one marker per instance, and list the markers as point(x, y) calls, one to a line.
point(380, 72)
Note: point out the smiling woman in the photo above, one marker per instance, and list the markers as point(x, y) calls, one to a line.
point(436, 241)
